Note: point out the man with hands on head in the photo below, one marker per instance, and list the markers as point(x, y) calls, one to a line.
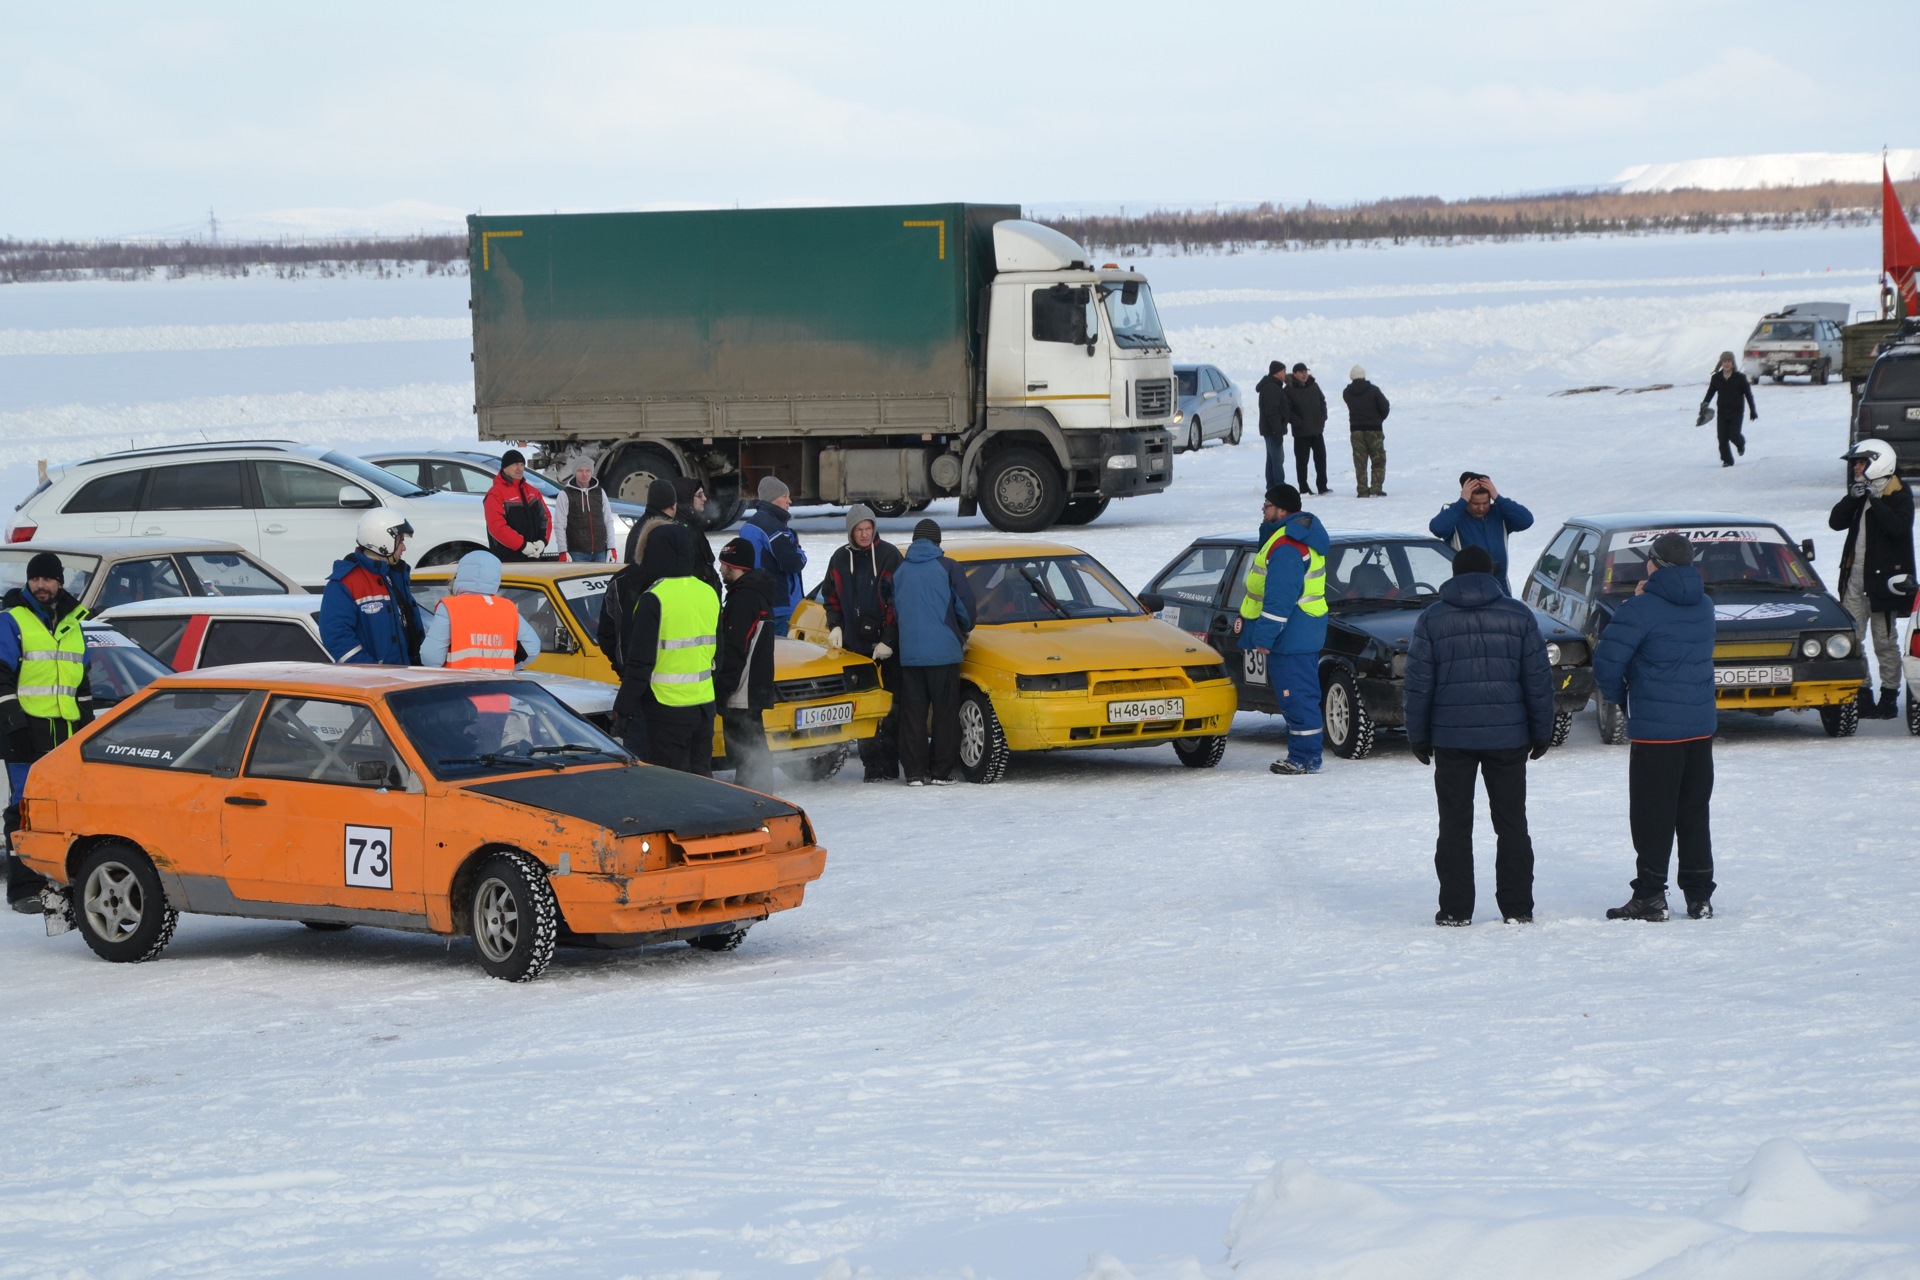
point(1482, 518)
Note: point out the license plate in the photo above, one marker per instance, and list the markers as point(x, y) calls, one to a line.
point(1150, 709)
point(820, 717)
point(1913, 415)
point(1738, 677)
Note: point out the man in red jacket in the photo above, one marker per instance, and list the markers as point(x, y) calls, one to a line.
point(518, 525)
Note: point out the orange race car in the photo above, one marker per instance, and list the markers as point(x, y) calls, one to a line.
point(407, 798)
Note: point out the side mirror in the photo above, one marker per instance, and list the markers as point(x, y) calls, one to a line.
point(373, 771)
point(352, 495)
point(1092, 343)
point(1151, 601)
point(1806, 549)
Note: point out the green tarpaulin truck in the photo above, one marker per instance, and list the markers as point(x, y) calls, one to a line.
point(888, 355)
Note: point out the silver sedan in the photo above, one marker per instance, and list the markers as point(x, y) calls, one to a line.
point(1209, 407)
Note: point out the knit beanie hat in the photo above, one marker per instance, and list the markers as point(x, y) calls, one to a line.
point(771, 488)
point(1284, 496)
point(45, 564)
point(1670, 550)
point(1356, 373)
point(928, 529)
point(661, 495)
point(510, 457)
point(1472, 560)
point(739, 553)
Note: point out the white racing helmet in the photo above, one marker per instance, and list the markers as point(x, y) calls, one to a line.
point(380, 530)
point(1878, 455)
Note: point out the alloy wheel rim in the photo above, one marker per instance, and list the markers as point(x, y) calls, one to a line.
point(1337, 716)
point(496, 920)
point(114, 902)
point(973, 735)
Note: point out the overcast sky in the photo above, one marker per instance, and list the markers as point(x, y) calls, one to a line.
point(136, 118)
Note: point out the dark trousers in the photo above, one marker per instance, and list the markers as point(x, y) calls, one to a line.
point(21, 882)
point(1276, 459)
point(747, 748)
point(1314, 447)
point(681, 738)
point(1506, 777)
point(880, 754)
point(1670, 793)
point(1730, 437)
point(929, 705)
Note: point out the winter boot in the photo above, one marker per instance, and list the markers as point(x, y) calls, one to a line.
point(1699, 908)
point(1290, 768)
point(1517, 919)
point(1889, 708)
point(1446, 921)
point(1650, 909)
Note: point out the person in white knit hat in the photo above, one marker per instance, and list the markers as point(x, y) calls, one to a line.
point(1366, 421)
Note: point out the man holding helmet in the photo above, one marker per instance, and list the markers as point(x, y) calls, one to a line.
point(367, 613)
point(1876, 570)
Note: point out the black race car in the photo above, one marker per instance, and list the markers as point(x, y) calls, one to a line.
point(1783, 643)
point(1377, 584)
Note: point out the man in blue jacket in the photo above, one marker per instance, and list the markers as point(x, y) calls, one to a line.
point(1479, 696)
point(1656, 659)
point(934, 610)
point(1481, 518)
point(1284, 616)
point(367, 612)
point(777, 545)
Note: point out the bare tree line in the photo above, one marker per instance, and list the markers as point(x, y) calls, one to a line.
point(23, 260)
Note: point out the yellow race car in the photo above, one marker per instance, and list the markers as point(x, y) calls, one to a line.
point(1062, 655)
point(829, 699)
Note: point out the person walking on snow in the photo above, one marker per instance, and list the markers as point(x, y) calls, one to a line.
point(1656, 659)
point(44, 695)
point(1309, 417)
point(1479, 698)
point(474, 627)
point(858, 598)
point(367, 610)
point(1284, 616)
point(583, 524)
point(1876, 566)
point(777, 545)
point(1367, 411)
point(935, 608)
point(1729, 388)
point(1480, 517)
point(1276, 410)
point(518, 524)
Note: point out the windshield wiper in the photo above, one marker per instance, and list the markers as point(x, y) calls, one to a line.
point(1742, 585)
point(498, 758)
point(1042, 590)
point(569, 748)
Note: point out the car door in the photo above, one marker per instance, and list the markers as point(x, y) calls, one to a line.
point(1062, 377)
point(1542, 588)
point(203, 500)
point(1578, 584)
point(559, 652)
point(308, 515)
point(325, 814)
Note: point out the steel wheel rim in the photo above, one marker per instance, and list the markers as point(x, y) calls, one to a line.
point(114, 901)
point(634, 486)
point(496, 920)
point(1338, 713)
point(973, 734)
point(1019, 490)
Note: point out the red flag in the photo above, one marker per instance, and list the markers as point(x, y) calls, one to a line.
point(1899, 248)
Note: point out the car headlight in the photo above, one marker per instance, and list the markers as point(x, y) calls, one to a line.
point(1810, 647)
point(1553, 654)
point(1839, 646)
point(862, 675)
point(1051, 683)
point(1199, 675)
point(1179, 416)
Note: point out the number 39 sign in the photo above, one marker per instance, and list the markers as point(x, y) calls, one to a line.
point(369, 857)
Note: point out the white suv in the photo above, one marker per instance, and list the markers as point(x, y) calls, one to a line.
point(294, 505)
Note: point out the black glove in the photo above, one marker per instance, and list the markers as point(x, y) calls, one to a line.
point(1539, 749)
point(1858, 488)
point(1423, 753)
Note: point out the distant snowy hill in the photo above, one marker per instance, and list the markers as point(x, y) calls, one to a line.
point(1788, 169)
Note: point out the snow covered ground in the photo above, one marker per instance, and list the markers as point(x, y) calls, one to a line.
point(1111, 1017)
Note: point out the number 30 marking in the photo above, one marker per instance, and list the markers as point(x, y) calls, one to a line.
point(369, 857)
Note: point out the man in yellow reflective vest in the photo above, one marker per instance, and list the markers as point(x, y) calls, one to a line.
point(44, 699)
point(1284, 616)
point(666, 678)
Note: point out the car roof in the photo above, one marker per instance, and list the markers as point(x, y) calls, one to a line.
point(122, 548)
point(535, 571)
point(972, 552)
point(222, 446)
point(320, 677)
point(1346, 538)
point(223, 606)
point(1614, 522)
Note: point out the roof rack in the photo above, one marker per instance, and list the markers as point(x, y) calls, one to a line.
point(164, 450)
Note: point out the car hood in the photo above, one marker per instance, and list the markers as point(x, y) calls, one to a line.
point(1091, 644)
point(802, 660)
point(1394, 627)
point(639, 799)
point(1770, 613)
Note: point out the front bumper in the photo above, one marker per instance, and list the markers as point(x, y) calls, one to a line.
point(687, 897)
point(1148, 453)
point(1386, 697)
point(870, 707)
point(1078, 718)
point(1824, 683)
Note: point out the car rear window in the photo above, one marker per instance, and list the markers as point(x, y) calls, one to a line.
point(153, 578)
point(158, 635)
point(183, 730)
point(1895, 379)
point(117, 668)
point(1784, 331)
point(117, 492)
point(228, 573)
point(235, 640)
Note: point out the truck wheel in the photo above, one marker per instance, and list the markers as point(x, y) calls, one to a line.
point(1084, 510)
point(1612, 719)
point(1346, 725)
point(1233, 432)
point(1913, 713)
point(889, 510)
point(514, 919)
point(1820, 373)
point(720, 941)
point(1562, 726)
point(1201, 753)
point(983, 744)
point(1021, 491)
point(922, 505)
point(724, 508)
point(119, 906)
point(637, 469)
point(450, 553)
point(1843, 719)
point(817, 768)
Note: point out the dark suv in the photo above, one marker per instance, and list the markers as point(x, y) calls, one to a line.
point(1890, 401)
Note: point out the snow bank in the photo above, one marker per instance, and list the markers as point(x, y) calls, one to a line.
point(123, 339)
point(1785, 169)
point(1781, 1220)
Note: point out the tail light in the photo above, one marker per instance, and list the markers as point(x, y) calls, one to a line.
point(1865, 426)
point(1753, 355)
point(23, 532)
point(1806, 355)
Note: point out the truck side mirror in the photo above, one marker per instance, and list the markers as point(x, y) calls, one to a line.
point(1130, 294)
point(1806, 549)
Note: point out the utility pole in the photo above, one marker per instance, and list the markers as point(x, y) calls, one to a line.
point(213, 227)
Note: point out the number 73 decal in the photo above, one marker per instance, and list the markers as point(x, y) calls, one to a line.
point(369, 857)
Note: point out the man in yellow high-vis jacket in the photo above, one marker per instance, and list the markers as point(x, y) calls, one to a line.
point(1285, 616)
point(673, 637)
point(44, 699)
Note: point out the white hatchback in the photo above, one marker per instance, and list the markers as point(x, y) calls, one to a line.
point(293, 505)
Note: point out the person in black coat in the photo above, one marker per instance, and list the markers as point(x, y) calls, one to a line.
point(1367, 411)
point(858, 598)
point(690, 509)
point(744, 683)
point(1479, 698)
point(1876, 571)
point(672, 735)
point(1309, 416)
point(1730, 389)
point(1276, 410)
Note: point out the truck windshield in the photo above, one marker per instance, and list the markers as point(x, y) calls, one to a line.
point(1130, 310)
